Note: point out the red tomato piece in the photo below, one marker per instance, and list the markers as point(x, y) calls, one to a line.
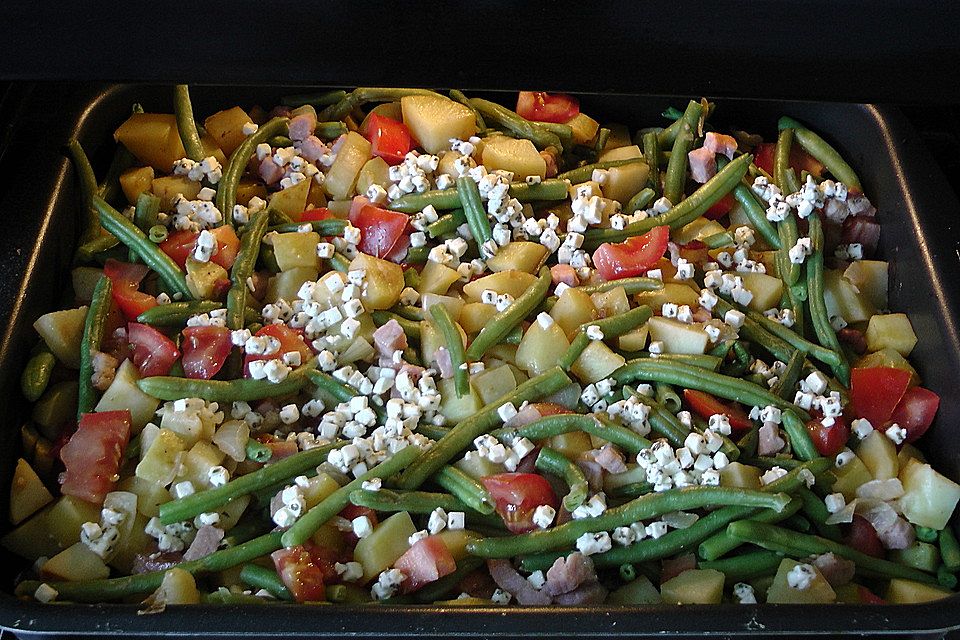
point(427, 560)
point(389, 139)
point(279, 449)
point(721, 208)
point(633, 256)
point(916, 411)
point(300, 574)
point(868, 597)
point(352, 511)
point(705, 405)
point(800, 160)
point(547, 107)
point(695, 251)
point(380, 230)
point(876, 392)
point(863, 537)
point(126, 278)
point(829, 441)
point(290, 340)
point(179, 245)
point(93, 453)
point(205, 349)
point(517, 496)
point(320, 213)
point(228, 245)
point(153, 352)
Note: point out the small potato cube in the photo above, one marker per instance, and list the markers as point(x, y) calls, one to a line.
point(135, 181)
point(893, 331)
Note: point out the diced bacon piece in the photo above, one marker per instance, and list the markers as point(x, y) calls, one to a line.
point(861, 230)
point(837, 571)
point(525, 416)
point(703, 164)
point(899, 535)
point(512, 582)
point(551, 162)
point(566, 574)
point(591, 593)
point(269, 171)
point(673, 567)
point(312, 148)
point(444, 362)
point(302, 126)
point(282, 449)
point(148, 561)
point(207, 540)
point(564, 273)
point(608, 458)
point(591, 470)
point(104, 369)
point(860, 207)
point(390, 338)
point(719, 143)
point(854, 338)
point(701, 315)
point(769, 441)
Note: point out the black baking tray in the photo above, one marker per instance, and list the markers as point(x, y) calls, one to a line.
point(920, 238)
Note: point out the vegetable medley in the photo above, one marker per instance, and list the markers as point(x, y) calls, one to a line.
point(393, 346)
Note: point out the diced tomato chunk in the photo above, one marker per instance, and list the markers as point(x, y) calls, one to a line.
point(380, 229)
point(92, 455)
point(633, 256)
point(300, 574)
point(541, 106)
point(290, 340)
point(800, 160)
point(352, 511)
point(320, 213)
point(205, 349)
point(705, 405)
point(721, 208)
point(389, 139)
point(831, 440)
point(916, 411)
point(869, 597)
point(125, 278)
point(863, 537)
point(153, 352)
point(875, 392)
point(517, 496)
point(426, 561)
point(179, 245)
point(228, 245)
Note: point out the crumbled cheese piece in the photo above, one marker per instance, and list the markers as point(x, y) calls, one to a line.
point(543, 516)
point(591, 543)
point(801, 576)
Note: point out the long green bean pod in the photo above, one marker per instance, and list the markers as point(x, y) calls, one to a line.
point(186, 125)
point(93, 329)
point(502, 323)
point(499, 115)
point(465, 488)
point(651, 153)
point(267, 579)
point(822, 151)
point(362, 95)
point(88, 189)
point(456, 94)
point(722, 543)
point(176, 314)
point(450, 199)
point(243, 266)
point(473, 209)
point(676, 174)
point(584, 173)
point(552, 462)
point(173, 388)
point(800, 441)
point(746, 566)
point(227, 187)
point(451, 335)
point(782, 172)
point(819, 317)
point(753, 210)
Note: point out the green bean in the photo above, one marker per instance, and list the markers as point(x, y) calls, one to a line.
point(339, 262)
point(410, 328)
point(799, 545)
point(585, 173)
point(926, 534)
point(456, 94)
point(594, 424)
point(642, 508)
point(339, 391)
point(668, 397)
point(722, 543)
point(36, 374)
point(695, 378)
point(171, 388)
point(330, 130)
point(552, 462)
point(88, 250)
point(823, 152)
point(768, 462)
point(753, 210)
point(800, 441)
point(432, 431)
point(681, 213)
point(680, 539)
point(789, 270)
point(667, 136)
point(651, 152)
point(256, 451)
point(640, 200)
point(94, 327)
point(176, 314)
point(186, 125)
point(701, 360)
point(115, 588)
point(146, 211)
point(131, 236)
point(267, 579)
point(439, 588)
point(451, 336)
point(321, 99)
point(227, 187)
point(446, 224)
point(816, 511)
point(788, 379)
point(797, 522)
point(243, 267)
point(88, 188)
point(818, 308)
point(363, 95)
point(676, 174)
point(612, 327)
point(631, 490)
point(448, 199)
point(468, 429)
point(949, 549)
point(278, 218)
point(664, 422)
point(745, 567)
point(630, 286)
point(718, 240)
point(946, 579)
point(500, 116)
point(473, 209)
point(504, 321)
point(328, 227)
point(785, 177)
point(465, 488)
point(423, 502)
point(277, 473)
point(307, 525)
point(753, 330)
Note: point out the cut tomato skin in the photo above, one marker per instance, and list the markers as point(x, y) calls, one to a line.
point(541, 106)
point(424, 562)
point(869, 597)
point(720, 208)
point(875, 392)
point(205, 350)
point(311, 215)
point(153, 352)
point(93, 453)
point(380, 230)
point(517, 495)
point(125, 278)
point(705, 405)
point(800, 160)
point(300, 574)
point(916, 411)
point(863, 537)
point(829, 441)
point(352, 511)
point(389, 139)
point(632, 257)
point(290, 340)
point(179, 245)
